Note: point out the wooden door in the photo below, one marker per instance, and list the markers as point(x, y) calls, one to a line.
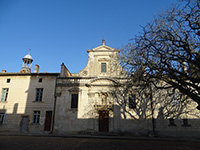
point(24, 126)
point(103, 121)
point(48, 118)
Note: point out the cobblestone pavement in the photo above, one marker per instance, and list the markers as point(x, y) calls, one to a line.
point(67, 143)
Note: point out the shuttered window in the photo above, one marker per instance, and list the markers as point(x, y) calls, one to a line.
point(4, 94)
point(3, 117)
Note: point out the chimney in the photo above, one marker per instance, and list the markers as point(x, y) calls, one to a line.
point(3, 71)
point(36, 70)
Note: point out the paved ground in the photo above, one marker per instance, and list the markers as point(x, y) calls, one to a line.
point(84, 143)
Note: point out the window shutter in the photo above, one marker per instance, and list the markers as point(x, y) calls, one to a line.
point(4, 94)
point(5, 118)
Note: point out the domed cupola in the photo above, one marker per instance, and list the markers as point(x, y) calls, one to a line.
point(27, 62)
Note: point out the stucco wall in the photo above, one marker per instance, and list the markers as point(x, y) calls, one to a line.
point(21, 100)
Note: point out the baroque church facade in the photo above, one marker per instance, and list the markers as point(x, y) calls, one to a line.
point(67, 103)
point(87, 97)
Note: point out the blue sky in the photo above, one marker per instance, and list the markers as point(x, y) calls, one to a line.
point(62, 30)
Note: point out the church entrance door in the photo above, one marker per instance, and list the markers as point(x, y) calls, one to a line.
point(103, 121)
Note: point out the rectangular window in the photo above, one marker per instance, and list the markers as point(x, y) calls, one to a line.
point(8, 80)
point(185, 122)
point(40, 80)
point(74, 101)
point(175, 99)
point(103, 67)
point(3, 117)
point(39, 92)
point(36, 117)
point(132, 101)
point(4, 94)
point(171, 122)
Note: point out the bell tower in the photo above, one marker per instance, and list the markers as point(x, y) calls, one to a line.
point(27, 62)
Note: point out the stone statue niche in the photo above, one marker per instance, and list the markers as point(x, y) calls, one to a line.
point(104, 97)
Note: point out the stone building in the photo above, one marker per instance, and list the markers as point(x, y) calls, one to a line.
point(27, 99)
point(96, 101)
point(93, 101)
point(84, 100)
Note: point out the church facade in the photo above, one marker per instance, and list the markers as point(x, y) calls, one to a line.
point(90, 102)
point(87, 98)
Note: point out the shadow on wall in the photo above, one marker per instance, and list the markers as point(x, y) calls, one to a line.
point(39, 113)
point(40, 104)
point(105, 124)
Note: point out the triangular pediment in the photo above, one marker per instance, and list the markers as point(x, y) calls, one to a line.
point(103, 48)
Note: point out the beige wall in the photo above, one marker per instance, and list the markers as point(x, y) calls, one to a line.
point(94, 90)
point(21, 100)
point(102, 54)
point(92, 85)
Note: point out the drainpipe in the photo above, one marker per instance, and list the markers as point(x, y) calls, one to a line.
point(54, 107)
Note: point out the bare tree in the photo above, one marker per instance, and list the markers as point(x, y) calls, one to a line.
point(168, 49)
point(138, 101)
point(142, 102)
